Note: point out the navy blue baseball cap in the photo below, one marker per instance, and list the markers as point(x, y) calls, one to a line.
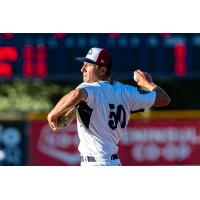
point(97, 56)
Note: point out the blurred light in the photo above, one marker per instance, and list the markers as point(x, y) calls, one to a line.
point(196, 40)
point(28, 52)
point(8, 36)
point(41, 52)
point(69, 42)
point(135, 42)
point(41, 65)
point(41, 68)
point(123, 42)
point(8, 53)
point(172, 41)
point(93, 41)
point(169, 42)
point(28, 68)
point(59, 35)
point(180, 50)
point(115, 35)
point(180, 68)
point(40, 41)
point(81, 42)
point(111, 42)
point(152, 41)
point(6, 69)
point(52, 42)
point(180, 54)
point(28, 41)
point(166, 35)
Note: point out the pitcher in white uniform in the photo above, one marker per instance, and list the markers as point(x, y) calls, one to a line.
point(105, 106)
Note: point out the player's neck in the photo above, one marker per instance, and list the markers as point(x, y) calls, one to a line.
point(107, 79)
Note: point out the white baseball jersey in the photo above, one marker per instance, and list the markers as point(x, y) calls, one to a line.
point(103, 117)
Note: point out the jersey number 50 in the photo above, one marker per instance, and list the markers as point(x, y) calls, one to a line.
point(117, 116)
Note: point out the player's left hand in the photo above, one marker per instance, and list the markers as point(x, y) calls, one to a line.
point(52, 123)
point(53, 126)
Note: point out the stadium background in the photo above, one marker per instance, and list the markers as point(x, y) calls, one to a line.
point(37, 69)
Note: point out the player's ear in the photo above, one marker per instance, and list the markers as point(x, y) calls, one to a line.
point(103, 70)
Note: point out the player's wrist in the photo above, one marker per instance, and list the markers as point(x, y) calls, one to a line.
point(150, 86)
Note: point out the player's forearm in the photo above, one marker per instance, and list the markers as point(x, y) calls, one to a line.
point(162, 98)
point(149, 86)
point(68, 101)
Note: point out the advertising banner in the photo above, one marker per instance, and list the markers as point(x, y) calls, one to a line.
point(53, 149)
point(161, 142)
point(146, 142)
point(13, 143)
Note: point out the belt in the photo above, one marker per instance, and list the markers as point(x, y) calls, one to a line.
point(93, 159)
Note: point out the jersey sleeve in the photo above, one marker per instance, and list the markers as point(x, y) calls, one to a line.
point(140, 99)
point(90, 89)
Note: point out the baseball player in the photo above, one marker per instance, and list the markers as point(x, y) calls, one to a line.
point(104, 107)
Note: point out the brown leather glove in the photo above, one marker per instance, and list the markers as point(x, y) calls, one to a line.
point(66, 118)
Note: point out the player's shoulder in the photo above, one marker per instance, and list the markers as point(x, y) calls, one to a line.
point(125, 86)
point(135, 89)
point(104, 84)
point(87, 85)
point(84, 84)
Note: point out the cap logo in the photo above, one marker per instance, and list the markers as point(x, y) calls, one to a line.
point(102, 61)
point(90, 52)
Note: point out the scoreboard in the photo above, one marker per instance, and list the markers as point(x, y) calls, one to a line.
point(52, 55)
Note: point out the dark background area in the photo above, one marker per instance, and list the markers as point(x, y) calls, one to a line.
point(47, 61)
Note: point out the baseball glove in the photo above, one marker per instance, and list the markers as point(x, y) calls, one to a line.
point(66, 118)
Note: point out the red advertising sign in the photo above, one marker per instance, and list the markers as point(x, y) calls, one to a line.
point(161, 142)
point(54, 149)
point(146, 142)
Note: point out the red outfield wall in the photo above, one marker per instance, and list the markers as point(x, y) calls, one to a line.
point(155, 138)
